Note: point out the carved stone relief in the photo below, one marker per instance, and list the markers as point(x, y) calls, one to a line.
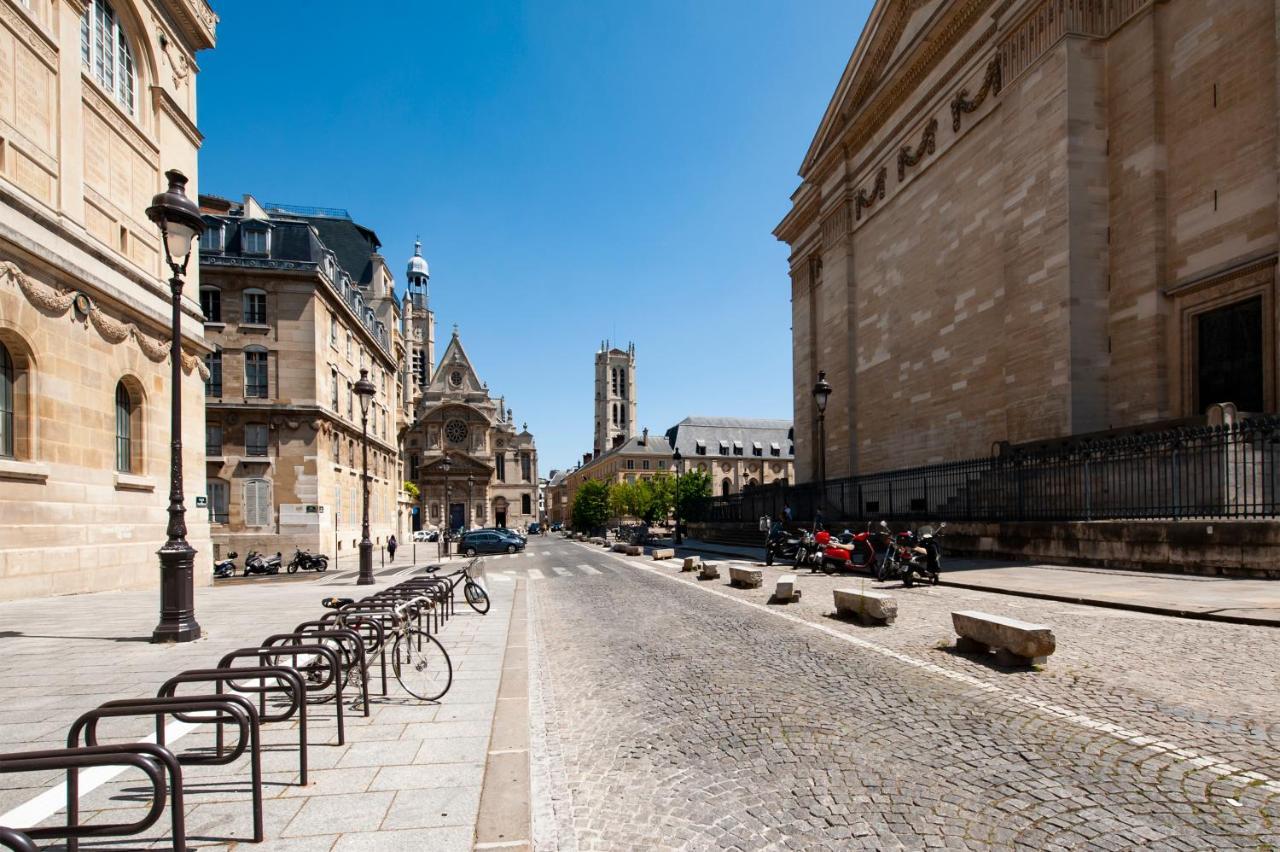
point(990, 86)
point(908, 158)
point(865, 201)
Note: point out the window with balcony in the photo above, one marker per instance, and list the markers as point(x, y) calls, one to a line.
point(255, 373)
point(255, 439)
point(213, 384)
point(213, 439)
point(211, 303)
point(216, 493)
point(255, 307)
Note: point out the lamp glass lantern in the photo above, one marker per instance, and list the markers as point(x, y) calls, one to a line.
point(178, 218)
point(821, 391)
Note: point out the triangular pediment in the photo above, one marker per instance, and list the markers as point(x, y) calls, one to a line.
point(455, 375)
point(892, 32)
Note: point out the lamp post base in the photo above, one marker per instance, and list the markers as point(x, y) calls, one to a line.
point(177, 598)
point(366, 564)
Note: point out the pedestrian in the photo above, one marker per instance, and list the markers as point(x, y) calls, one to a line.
point(786, 512)
point(391, 549)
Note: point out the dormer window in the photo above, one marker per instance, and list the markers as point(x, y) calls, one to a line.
point(105, 53)
point(254, 240)
point(211, 239)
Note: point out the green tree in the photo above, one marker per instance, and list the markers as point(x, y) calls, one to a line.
point(625, 500)
point(590, 510)
point(657, 496)
point(692, 493)
point(412, 489)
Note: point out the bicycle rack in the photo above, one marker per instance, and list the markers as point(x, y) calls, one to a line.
point(235, 708)
point(267, 656)
point(291, 683)
point(152, 760)
point(370, 630)
point(16, 841)
point(353, 648)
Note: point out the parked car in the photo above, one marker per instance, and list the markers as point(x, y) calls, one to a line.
point(557, 527)
point(425, 535)
point(487, 541)
point(535, 529)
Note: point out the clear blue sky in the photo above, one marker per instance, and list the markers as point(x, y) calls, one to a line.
point(577, 170)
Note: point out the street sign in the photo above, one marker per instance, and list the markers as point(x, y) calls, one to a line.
point(202, 502)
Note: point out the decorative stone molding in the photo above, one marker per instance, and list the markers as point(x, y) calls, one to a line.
point(58, 301)
point(111, 114)
point(865, 201)
point(836, 224)
point(30, 36)
point(1046, 24)
point(906, 158)
point(196, 22)
point(991, 84)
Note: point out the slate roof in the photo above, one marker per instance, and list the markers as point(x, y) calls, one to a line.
point(747, 432)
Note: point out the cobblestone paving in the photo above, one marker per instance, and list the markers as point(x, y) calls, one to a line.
point(682, 719)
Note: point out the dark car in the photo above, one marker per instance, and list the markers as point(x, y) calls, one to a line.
point(487, 541)
point(535, 528)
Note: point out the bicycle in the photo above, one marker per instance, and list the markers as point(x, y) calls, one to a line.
point(474, 593)
point(419, 661)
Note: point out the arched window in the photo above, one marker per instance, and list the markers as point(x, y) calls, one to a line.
point(105, 52)
point(724, 487)
point(124, 429)
point(6, 403)
point(257, 502)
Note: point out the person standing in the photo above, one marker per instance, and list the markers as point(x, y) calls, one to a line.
point(786, 512)
point(391, 548)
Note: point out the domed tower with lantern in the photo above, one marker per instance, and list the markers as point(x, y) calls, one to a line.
point(419, 330)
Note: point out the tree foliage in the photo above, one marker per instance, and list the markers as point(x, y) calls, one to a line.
point(692, 493)
point(590, 510)
point(648, 499)
point(411, 488)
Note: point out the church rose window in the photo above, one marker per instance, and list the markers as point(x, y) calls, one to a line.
point(455, 379)
point(455, 431)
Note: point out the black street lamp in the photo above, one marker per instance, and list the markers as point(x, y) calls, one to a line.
point(365, 390)
point(448, 514)
point(821, 392)
point(470, 518)
point(678, 461)
point(179, 221)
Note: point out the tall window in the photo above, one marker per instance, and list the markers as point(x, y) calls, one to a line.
point(216, 492)
point(333, 331)
point(105, 52)
point(351, 398)
point(6, 403)
point(211, 303)
point(337, 450)
point(124, 429)
point(526, 505)
point(213, 385)
point(255, 307)
point(526, 468)
point(255, 373)
point(213, 439)
point(333, 395)
point(724, 488)
point(255, 439)
point(257, 502)
point(501, 461)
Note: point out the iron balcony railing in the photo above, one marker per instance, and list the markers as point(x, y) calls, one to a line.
point(1229, 471)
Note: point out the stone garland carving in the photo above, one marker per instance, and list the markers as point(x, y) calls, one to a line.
point(906, 158)
point(864, 201)
point(59, 301)
point(990, 86)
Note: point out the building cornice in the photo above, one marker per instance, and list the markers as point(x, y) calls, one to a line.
point(165, 103)
point(195, 20)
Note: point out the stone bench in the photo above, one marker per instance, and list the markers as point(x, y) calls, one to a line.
point(710, 571)
point(867, 607)
point(1016, 643)
point(691, 563)
point(745, 578)
point(786, 590)
point(664, 553)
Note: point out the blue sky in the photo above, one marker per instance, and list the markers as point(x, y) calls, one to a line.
point(576, 171)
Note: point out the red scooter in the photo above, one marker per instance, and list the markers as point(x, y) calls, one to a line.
point(850, 552)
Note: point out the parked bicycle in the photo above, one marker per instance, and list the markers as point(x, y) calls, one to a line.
point(475, 594)
point(419, 661)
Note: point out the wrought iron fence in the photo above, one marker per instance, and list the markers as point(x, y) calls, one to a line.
point(1229, 471)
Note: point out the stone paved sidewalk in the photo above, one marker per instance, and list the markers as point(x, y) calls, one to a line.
point(409, 775)
point(1212, 598)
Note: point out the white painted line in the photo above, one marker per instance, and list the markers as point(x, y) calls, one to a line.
point(546, 553)
point(535, 574)
point(1214, 764)
point(587, 569)
point(563, 572)
point(509, 571)
point(51, 801)
point(502, 578)
point(529, 554)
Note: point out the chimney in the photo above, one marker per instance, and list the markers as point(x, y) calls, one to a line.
point(644, 436)
point(586, 458)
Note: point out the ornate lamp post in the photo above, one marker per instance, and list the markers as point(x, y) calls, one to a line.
point(678, 461)
point(178, 219)
point(471, 481)
point(821, 392)
point(365, 390)
point(448, 516)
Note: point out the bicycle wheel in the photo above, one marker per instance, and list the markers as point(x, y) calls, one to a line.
point(476, 596)
point(421, 664)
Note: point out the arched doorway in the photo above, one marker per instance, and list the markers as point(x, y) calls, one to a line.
point(724, 487)
point(500, 512)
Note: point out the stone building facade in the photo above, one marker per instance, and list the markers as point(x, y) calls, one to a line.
point(97, 100)
point(642, 456)
point(736, 452)
point(1023, 220)
point(492, 478)
point(297, 301)
point(615, 396)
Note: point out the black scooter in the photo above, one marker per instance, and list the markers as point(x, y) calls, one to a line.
point(255, 564)
point(307, 561)
point(781, 545)
point(226, 567)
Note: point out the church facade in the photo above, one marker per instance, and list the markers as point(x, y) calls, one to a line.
point(1027, 220)
point(473, 466)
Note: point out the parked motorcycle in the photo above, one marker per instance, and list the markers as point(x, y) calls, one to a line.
point(925, 557)
point(255, 564)
point(781, 544)
point(307, 561)
point(808, 551)
point(224, 568)
point(850, 552)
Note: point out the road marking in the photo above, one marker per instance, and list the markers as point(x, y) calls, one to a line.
point(1216, 765)
point(546, 553)
point(587, 569)
point(502, 578)
point(509, 571)
point(535, 574)
point(563, 572)
point(48, 803)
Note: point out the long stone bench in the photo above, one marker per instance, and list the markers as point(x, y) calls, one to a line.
point(745, 578)
point(710, 571)
point(691, 563)
point(785, 590)
point(664, 553)
point(1016, 643)
point(868, 607)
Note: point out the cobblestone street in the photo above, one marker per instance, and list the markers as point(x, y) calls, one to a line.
point(675, 713)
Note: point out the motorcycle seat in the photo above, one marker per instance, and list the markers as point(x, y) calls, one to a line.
point(336, 603)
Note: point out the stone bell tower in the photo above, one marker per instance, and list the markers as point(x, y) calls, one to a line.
point(419, 328)
point(615, 396)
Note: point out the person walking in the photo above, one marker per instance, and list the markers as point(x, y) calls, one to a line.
point(786, 512)
point(392, 544)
